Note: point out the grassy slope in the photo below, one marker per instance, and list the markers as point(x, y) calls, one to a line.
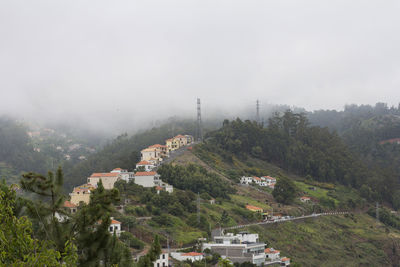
point(354, 240)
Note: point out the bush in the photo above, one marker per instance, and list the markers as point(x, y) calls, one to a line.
point(131, 240)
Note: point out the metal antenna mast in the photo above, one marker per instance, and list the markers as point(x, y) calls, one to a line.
point(199, 126)
point(258, 111)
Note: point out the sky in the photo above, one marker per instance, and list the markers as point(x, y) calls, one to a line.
point(112, 61)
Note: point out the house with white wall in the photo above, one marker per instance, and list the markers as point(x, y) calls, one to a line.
point(115, 226)
point(272, 254)
point(246, 180)
point(147, 179)
point(162, 260)
point(147, 165)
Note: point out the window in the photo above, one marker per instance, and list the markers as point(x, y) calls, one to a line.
point(163, 256)
point(111, 228)
point(158, 264)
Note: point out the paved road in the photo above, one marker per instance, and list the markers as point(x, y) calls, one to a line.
point(286, 220)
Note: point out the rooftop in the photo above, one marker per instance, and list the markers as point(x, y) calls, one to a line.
point(192, 254)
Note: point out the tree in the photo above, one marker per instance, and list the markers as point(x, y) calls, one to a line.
point(224, 217)
point(284, 191)
point(152, 255)
point(224, 263)
point(17, 246)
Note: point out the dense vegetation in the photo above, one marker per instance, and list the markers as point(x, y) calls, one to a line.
point(84, 235)
point(196, 179)
point(291, 143)
point(363, 128)
point(16, 150)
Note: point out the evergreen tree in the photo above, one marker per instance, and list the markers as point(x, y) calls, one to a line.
point(284, 191)
point(18, 248)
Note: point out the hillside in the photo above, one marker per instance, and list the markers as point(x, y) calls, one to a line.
point(352, 240)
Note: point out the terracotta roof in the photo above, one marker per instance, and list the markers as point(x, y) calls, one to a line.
point(168, 140)
point(192, 254)
point(145, 173)
point(159, 188)
point(271, 250)
point(394, 140)
point(117, 169)
point(157, 145)
point(115, 222)
point(68, 204)
point(256, 178)
point(143, 162)
point(251, 207)
point(305, 197)
point(179, 136)
point(107, 174)
point(285, 259)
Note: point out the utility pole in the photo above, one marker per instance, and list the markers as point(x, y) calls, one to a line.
point(199, 130)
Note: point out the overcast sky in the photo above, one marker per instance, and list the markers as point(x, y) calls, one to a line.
point(130, 59)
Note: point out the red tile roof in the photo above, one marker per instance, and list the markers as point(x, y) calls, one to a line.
point(157, 145)
point(115, 222)
point(145, 173)
point(68, 204)
point(271, 250)
point(117, 169)
point(253, 208)
point(179, 136)
point(285, 259)
point(143, 162)
point(159, 188)
point(256, 178)
point(192, 254)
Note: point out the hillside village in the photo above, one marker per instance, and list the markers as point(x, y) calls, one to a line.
point(239, 248)
point(151, 158)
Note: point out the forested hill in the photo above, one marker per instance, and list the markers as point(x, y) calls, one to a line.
point(124, 151)
point(366, 129)
point(16, 150)
point(311, 151)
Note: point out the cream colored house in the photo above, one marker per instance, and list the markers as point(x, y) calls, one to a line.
point(154, 152)
point(108, 179)
point(81, 193)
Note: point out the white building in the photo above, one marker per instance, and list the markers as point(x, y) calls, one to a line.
point(238, 248)
point(246, 180)
point(115, 226)
point(148, 166)
point(147, 179)
point(162, 260)
point(241, 237)
point(191, 256)
point(269, 181)
point(272, 254)
point(124, 174)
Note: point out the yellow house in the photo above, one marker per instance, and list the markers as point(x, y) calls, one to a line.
point(81, 193)
point(181, 139)
point(168, 143)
